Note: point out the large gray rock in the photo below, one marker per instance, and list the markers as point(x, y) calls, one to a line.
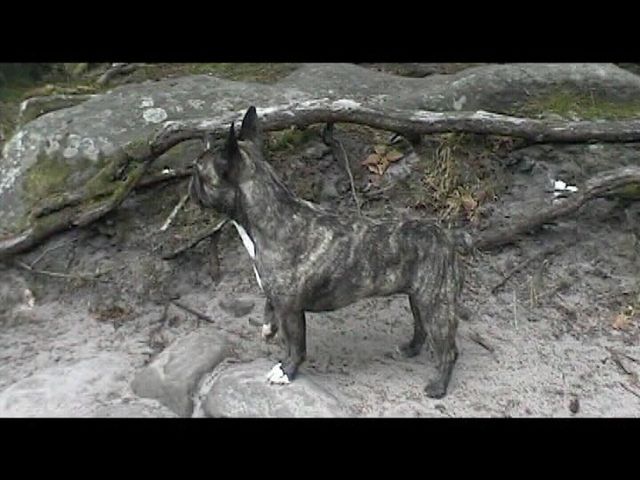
point(35, 107)
point(136, 409)
point(66, 391)
point(61, 150)
point(173, 376)
point(242, 391)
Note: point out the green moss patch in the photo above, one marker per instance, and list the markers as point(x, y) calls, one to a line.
point(251, 72)
point(572, 104)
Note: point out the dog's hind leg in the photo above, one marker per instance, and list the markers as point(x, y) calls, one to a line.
point(442, 332)
point(420, 318)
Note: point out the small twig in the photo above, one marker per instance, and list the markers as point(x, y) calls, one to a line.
point(187, 308)
point(71, 258)
point(371, 194)
point(615, 356)
point(619, 364)
point(351, 181)
point(515, 309)
point(475, 336)
point(542, 254)
point(208, 232)
point(629, 389)
point(175, 211)
point(50, 249)
point(81, 276)
point(329, 139)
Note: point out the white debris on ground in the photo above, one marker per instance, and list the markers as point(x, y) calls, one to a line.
point(561, 189)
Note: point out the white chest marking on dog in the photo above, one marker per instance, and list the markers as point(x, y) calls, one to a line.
point(267, 330)
point(255, 270)
point(246, 240)
point(277, 375)
point(250, 247)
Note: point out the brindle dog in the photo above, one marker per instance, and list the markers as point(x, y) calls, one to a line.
point(308, 259)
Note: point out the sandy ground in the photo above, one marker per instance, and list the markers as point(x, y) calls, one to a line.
point(542, 358)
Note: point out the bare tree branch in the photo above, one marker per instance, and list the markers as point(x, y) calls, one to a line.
point(414, 122)
point(346, 111)
point(597, 186)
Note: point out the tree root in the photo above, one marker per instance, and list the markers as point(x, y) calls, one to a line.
point(595, 187)
point(73, 210)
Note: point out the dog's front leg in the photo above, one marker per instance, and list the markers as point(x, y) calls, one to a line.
point(269, 322)
point(293, 330)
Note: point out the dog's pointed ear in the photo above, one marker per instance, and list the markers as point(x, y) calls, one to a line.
point(230, 154)
point(231, 145)
point(209, 139)
point(250, 129)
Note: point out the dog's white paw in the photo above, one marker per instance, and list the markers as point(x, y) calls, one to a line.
point(277, 375)
point(267, 331)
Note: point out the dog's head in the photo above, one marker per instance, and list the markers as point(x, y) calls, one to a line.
point(217, 175)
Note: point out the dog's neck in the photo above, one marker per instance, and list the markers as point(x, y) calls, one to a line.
point(258, 200)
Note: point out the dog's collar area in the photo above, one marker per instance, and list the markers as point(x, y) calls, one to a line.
point(246, 240)
point(250, 246)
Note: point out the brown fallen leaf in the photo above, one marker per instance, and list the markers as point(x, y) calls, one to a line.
point(393, 155)
point(372, 159)
point(621, 321)
point(469, 203)
point(380, 150)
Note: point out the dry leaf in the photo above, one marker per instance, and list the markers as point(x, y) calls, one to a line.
point(380, 150)
point(394, 155)
point(468, 202)
point(621, 322)
point(372, 159)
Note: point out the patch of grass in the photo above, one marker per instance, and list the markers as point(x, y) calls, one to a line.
point(251, 72)
point(290, 139)
point(459, 177)
point(579, 105)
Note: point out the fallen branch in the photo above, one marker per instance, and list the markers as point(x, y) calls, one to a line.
point(347, 111)
point(75, 276)
point(174, 212)
point(187, 308)
point(615, 356)
point(595, 187)
point(629, 389)
point(42, 229)
point(481, 341)
point(334, 143)
point(71, 199)
point(416, 122)
point(206, 233)
point(50, 249)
